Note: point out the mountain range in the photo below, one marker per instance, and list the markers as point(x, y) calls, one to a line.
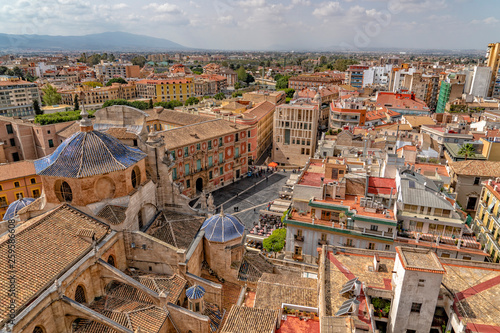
point(106, 41)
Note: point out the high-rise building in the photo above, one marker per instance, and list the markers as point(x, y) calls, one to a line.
point(480, 82)
point(493, 62)
point(17, 96)
point(355, 75)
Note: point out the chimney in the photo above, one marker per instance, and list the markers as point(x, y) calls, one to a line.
point(495, 188)
point(376, 263)
point(357, 288)
point(489, 182)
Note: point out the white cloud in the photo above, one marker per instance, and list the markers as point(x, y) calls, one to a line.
point(163, 8)
point(301, 2)
point(327, 9)
point(252, 3)
point(489, 20)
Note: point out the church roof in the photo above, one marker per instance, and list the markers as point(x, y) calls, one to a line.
point(195, 292)
point(15, 207)
point(86, 154)
point(222, 228)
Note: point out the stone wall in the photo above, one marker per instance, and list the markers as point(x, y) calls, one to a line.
point(188, 321)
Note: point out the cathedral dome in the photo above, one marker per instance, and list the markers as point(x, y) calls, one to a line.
point(16, 206)
point(222, 228)
point(88, 153)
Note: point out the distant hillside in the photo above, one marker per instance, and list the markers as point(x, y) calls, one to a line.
point(106, 41)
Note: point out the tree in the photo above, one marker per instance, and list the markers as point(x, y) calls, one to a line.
point(236, 94)
point(116, 80)
point(92, 84)
point(76, 106)
point(282, 82)
point(3, 70)
point(169, 105)
point(192, 101)
point(29, 77)
point(467, 150)
point(276, 241)
point(220, 96)
point(139, 60)
point(289, 92)
point(18, 72)
point(36, 107)
point(50, 95)
point(249, 79)
point(197, 70)
point(237, 85)
point(242, 74)
point(151, 103)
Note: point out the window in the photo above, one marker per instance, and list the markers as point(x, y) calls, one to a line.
point(174, 173)
point(209, 145)
point(197, 307)
point(12, 142)
point(220, 142)
point(415, 307)
point(471, 203)
point(371, 246)
point(236, 152)
point(80, 295)
point(421, 283)
point(140, 222)
point(210, 176)
point(323, 237)
point(36, 193)
point(298, 250)
point(63, 191)
point(411, 331)
point(38, 329)
point(445, 255)
point(15, 157)
point(374, 227)
point(188, 183)
point(466, 258)
point(51, 143)
point(248, 134)
point(3, 202)
point(299, 232)
point(389, 230)
point(33, 181)
point(221, 171)
point(135, 177)
point(198, 165)
point(1, 188)
point(198, 146)
point(210, 161)
point(111, 261)
point(16, 184)
point(249, 147)
point(236, 138)
point(387, 247)
point(221, 157)
point(477, 180)
point(186, 151)
point(348, 242)
point(9, 129)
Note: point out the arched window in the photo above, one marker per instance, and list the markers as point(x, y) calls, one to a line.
point(111, 261)
point(38, 329)
point(80, 295)
point(63, 191)
point(135, 177)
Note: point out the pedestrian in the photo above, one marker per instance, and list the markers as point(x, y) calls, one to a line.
point(266, 178)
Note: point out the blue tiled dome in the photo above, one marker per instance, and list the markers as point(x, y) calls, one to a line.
point(16, 206)
point(195, 292)
point(86, 154)
point(222, 228)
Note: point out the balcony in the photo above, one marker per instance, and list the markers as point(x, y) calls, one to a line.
point(322, 242)
point(298, 238)
point(298, 257)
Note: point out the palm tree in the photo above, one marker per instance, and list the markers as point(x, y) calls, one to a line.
point(467, 150)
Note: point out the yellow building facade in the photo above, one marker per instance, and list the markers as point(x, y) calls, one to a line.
point(179, 89)
point(18, 180)
point(487, 222)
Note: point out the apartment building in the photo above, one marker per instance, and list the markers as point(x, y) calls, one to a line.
point(348, 112)
point(23, 140)
point(493, 62)
point(275, 97)
point(18, 180)
point(428, 218)
point(323, 214)
point(402, 101)
point(312, 81)
point(108, 71)
point(355, 74)
point(295, 132)
point(207, 155)
point(179, 89)
point(99, 95)
point(263, 115)
point(487, 220)
point(17, 96)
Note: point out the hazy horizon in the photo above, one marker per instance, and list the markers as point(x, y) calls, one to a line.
point(269, 25)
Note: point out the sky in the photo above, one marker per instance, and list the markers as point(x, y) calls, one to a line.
point(268, 24)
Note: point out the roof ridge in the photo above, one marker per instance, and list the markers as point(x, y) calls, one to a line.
point(109, 151)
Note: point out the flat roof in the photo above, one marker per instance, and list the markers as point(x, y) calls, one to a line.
point(417, 259)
